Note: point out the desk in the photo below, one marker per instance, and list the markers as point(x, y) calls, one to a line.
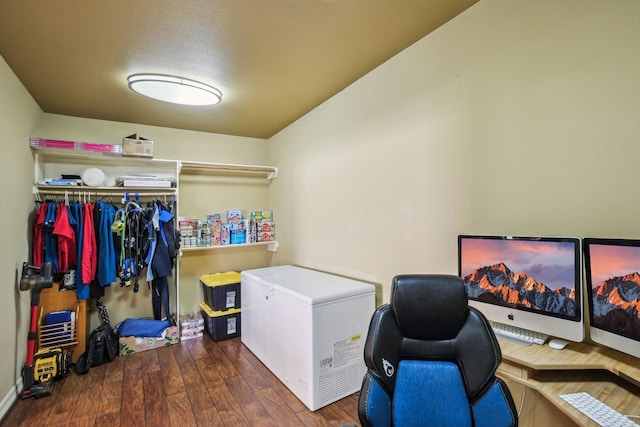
point(544, 373)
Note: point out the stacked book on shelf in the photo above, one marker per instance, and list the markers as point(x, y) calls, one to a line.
point(144, 180)
point(61, 181)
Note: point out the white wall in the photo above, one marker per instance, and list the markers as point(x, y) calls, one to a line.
point(516, 117)
point(19, 115)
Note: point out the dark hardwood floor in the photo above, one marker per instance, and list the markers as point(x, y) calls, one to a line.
point(194, 383)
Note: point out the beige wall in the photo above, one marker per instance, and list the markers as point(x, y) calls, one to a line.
point(516, 117)
point(169, 143)
point(19, 115)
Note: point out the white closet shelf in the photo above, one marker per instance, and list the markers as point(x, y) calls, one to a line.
point(106, 157)
point(186, 166)
point(272, 246)
point(183, 166)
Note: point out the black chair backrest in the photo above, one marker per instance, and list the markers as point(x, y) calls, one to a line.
point(428, 318)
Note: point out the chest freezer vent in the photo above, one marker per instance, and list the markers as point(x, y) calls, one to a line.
point(341, 383)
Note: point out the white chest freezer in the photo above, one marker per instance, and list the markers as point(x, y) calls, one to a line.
point(308, 328)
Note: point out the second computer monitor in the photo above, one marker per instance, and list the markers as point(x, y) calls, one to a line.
point(613, 285)
point(531, 282)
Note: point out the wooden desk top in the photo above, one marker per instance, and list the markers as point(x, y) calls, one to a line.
point(575, 356)
point(606, 374)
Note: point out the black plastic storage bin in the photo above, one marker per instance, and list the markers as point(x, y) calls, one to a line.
point(221, 325)
point(221, 290)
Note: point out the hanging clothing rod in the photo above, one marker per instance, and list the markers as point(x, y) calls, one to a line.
point(100, 193)
point(270, 172)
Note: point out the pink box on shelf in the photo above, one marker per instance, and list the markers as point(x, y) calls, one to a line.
point(74, 145)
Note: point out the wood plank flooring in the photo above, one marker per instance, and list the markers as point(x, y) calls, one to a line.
point(194, 383)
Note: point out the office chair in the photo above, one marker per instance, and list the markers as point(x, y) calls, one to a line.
point(432, 360)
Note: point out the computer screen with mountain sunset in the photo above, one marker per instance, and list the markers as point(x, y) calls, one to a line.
point(530, 282)
point(612, 269)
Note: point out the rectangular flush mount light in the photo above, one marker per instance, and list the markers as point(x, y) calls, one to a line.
point(173, 89)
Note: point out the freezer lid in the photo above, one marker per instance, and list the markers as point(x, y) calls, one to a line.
point(308, 286)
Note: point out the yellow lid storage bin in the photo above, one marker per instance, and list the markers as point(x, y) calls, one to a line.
point(221, 325)
point(221, 290)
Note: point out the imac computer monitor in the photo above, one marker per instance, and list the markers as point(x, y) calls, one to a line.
point(613, 285)
point(532, 283)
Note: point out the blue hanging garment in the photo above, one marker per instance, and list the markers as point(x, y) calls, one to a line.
point(50, 240)
point(106, 268)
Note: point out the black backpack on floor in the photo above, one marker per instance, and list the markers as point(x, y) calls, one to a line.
point(102, 346)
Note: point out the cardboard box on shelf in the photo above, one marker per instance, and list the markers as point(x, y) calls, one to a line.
point(238, 237)
point(266, 236)
point(136, 146)
point(263, 226)
point(234, 216)
point(262, 215)
point(225, 234)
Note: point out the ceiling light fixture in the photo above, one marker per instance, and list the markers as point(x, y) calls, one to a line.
point(173, 89)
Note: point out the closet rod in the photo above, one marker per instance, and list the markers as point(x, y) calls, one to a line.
point(99, 193)
point(270, 172)
point(226, 167)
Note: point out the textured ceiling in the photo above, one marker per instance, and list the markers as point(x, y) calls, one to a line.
point(273, 60)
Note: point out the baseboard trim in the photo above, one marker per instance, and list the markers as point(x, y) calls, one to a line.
point(10, 398)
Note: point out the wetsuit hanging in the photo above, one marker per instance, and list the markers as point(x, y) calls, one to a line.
point(105, 271)
point(38, 234)
point(160, 297)
point(130, 258)
point(162, 262)
point(153, 228)
point(50, 241)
